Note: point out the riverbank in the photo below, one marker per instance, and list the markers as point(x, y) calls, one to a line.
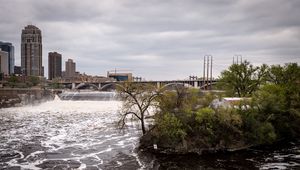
point(282, 155)
point(10, 97)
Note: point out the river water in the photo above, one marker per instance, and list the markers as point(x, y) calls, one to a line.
point(63, 134)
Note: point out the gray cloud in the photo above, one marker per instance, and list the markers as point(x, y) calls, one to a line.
point(158, 39)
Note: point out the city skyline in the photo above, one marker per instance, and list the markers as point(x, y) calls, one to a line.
point(158, 40)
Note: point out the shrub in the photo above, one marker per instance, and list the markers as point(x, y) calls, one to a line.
point(170, 129)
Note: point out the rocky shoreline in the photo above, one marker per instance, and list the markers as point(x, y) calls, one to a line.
point(149, 143)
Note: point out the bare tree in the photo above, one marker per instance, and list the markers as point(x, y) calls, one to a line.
point(137, 99)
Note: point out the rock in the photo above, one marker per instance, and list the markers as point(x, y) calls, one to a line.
point(195, 145)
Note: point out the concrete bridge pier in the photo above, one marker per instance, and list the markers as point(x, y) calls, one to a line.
point(158, 85)
point(73, 85)
point(196, 84)
point(99, 86)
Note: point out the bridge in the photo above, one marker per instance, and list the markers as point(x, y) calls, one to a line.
point(111, 85)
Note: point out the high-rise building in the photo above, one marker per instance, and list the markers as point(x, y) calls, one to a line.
point(9, 48)
point(54, 65)
point(70, 69)
point(17, 70)
point(4, 62)
point(31, 51)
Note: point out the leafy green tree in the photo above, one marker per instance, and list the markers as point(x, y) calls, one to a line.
point(276, 74)
point(205, 126)
point(279, 101)
point(55, 84)
point(13, 80)
point(33, 80)
point(180, 100)
point(170, 128)
point(288, 77)
point(272, 112)
point(242, 79)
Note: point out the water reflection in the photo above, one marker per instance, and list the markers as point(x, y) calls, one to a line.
point(281, 156)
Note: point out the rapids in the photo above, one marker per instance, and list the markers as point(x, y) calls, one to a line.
point(66, 134)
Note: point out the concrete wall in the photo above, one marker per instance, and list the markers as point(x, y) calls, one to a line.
point(18, 96)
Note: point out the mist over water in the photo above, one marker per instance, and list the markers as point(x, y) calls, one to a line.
point(66, 134)
point(88, 95)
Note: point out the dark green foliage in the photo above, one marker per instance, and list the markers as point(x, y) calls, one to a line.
point(55, 84)
point(170, 128)
point(256, 129)
point(13, 80)
point(279, 102)
point(243, 79)
point(287, 77)
point(33, 81)
point(193, 120)
point(220, 126)
point(271, 113)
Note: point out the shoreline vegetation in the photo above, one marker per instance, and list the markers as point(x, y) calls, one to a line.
point(188, 121)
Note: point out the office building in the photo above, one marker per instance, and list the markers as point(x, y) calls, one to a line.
point(70, 69)
point(4, 69)
point(31, 51)
point(120, 76)
point(54, 65)
point(9, 48)
point(17, 70)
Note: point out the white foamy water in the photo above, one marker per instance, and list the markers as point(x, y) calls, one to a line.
point(67, 134)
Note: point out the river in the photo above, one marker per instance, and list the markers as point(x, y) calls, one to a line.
point(66, 134)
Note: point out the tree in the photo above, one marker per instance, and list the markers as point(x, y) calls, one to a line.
point(55, 84)
point(282, 98)
point(242, 79)
point(178, 100)
point(33, 80)
point(137, 99)
point(13, 80)
point(288, 77)
point(170, 128)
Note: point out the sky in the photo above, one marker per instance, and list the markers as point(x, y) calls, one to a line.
point(157, 39)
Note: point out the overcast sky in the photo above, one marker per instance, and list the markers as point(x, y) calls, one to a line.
point(157, 39)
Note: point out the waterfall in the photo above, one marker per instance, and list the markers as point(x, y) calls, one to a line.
point(88, 95)
point(56, 98)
